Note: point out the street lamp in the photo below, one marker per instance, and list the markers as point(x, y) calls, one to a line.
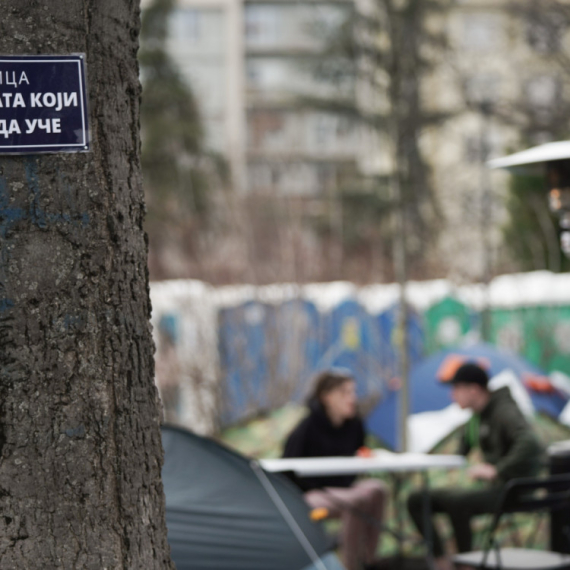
point(552, 160)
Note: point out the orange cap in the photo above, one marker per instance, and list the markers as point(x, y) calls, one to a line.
point(453, 362)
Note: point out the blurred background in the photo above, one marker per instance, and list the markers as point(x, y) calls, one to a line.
point(303, 160)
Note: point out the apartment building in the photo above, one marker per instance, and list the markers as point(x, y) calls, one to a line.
point(249, 62)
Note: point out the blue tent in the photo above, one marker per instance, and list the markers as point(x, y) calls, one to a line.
point(428, 394)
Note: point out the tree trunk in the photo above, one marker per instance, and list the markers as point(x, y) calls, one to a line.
point(80, 450)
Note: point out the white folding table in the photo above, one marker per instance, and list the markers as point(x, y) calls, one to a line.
point(380, 461)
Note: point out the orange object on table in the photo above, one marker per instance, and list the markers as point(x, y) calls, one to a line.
point(319, 514)
point(364, 452)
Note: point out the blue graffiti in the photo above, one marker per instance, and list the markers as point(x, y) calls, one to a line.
point(72, 322)
point(38, 216)
point(78, 431)
point(10, 215)
point(6, 304)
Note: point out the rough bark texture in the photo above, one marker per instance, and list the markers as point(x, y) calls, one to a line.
point(80, 451)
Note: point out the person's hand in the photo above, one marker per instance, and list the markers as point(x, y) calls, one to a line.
point(483, 472)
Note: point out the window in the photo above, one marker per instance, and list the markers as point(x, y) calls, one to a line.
point(275, 74)
point(324, 129)
point(482, 32)
point(542, 91)
point(483, 88)
point(261, 25)
point(253, 73)
point(266, 130)
point(325, 176)
point(321, 22)
point(185, 25)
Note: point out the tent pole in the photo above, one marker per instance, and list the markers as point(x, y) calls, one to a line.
point(286, 514)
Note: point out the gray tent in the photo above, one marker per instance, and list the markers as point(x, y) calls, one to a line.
point(224, 512)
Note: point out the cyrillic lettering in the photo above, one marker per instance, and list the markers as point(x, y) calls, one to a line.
point(69, 98)
point(14, 127)
point(56, 125)
point(45, 125)
point(31, 125)
point(13, 82)
point(49, 99)
point(23, 77)
point(35, 99)
point(7, 97)
point(59, 102)
point(18, 101)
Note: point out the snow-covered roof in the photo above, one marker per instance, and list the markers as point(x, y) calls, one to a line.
point(506, 291)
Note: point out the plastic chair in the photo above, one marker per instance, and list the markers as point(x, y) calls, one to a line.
point(544, 494)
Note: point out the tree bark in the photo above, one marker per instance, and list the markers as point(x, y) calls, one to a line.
point(80, 449)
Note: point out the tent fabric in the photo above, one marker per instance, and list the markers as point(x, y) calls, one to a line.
point(328, 562)
point(220, 517)
point(427, 429)
point(427, 394)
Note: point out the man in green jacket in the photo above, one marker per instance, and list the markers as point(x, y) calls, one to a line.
point(509, 447)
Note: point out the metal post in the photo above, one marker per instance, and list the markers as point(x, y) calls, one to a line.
point(400, 270)
point(486, 213)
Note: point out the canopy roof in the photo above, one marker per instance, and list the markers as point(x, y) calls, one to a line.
point(531, 160)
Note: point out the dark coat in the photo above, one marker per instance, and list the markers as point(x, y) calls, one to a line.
point(316, 436)
point(505, 438)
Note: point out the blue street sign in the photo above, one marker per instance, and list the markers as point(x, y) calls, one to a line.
point(43, 104)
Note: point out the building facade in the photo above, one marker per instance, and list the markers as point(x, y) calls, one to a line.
point(500, 82)
point(247, 62)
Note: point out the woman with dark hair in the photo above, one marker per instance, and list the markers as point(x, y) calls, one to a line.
point(333, 428)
